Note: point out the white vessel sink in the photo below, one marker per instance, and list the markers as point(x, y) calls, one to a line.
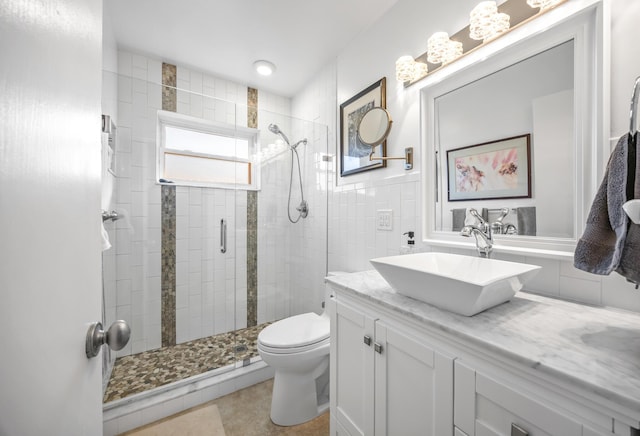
point(461, 284)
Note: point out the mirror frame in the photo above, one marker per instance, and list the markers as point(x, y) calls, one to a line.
point(385, 135)
point(587, 23)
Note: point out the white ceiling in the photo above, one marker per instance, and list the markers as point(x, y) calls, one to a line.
point(225, 37)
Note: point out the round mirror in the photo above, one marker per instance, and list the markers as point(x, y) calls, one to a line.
point(374, 126)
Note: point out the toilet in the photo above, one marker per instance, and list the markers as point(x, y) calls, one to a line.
point(298, 349)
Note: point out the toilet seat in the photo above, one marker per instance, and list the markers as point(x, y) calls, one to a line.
point(295, 334)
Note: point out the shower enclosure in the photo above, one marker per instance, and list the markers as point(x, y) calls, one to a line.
point(198, 266)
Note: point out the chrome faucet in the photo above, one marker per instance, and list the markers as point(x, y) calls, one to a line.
point(497, 225)
point(500, 228)
point(482, 233)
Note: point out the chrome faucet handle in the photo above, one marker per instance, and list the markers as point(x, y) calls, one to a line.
point(482, 224)
point(503, 213)
point(477, 215)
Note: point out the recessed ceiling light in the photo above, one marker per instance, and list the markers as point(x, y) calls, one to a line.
point(264, 68)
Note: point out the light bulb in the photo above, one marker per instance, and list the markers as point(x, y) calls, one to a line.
point(436, 46)
point(420, 70)
point(486, 23)
point(452, 52)
point(404, 68)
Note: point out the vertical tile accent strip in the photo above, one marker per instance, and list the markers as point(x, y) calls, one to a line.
point(252, 224)
point(168, 266)
point(169, 93)
point(168, 224)
point(252, 108)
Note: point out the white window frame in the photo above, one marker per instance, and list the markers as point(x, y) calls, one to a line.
point(173, 119)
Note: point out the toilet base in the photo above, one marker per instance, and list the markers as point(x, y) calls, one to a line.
point(296, 396)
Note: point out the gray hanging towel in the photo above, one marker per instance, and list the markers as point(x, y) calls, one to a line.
point(526, 220)
point(600, 248)
point(629, 266)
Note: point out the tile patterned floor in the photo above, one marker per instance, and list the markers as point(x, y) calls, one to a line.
point(150, 369)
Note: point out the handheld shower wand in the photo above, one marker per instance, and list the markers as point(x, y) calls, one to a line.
point(303, 208)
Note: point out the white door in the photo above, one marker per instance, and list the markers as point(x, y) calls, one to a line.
point(50, 81)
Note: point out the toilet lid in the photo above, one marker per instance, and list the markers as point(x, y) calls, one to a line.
point(296, 331)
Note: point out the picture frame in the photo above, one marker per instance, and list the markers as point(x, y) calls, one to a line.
point(495, 169)
point(354, 155)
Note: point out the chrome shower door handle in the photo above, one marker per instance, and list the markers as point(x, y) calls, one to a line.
point(223, 236)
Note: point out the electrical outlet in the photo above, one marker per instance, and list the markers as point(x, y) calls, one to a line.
point(384, 219)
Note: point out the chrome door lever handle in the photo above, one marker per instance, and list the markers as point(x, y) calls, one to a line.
point(117, 336)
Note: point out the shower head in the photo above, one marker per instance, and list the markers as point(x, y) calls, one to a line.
point(273, 128)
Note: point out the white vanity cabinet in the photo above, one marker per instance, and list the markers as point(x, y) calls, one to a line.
point(490, 405)
point(386, 378)
point(532, 367)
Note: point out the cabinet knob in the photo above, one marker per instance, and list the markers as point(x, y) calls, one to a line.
point(518, 431)
point(367, 340)
point(378, 348)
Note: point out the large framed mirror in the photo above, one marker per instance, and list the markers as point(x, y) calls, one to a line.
point(547, 81)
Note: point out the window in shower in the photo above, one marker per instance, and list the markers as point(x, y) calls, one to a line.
point(194, 152)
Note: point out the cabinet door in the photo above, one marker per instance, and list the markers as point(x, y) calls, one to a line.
point(414, 386)
point(352, 369)
point(485, 406)
point(337, 429)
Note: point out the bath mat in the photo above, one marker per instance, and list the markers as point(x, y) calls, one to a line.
point(199, 421)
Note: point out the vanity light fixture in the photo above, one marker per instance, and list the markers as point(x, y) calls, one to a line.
point(543, 4)
point(453, 52)
point(486, 22)
point(420, 69)
point(264, 68)
point(441, 49)
point(437, 46)
point(405, 68)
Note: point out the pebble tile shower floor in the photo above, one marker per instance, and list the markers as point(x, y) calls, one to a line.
point(144, 371)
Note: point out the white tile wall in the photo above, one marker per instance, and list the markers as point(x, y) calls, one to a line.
point(211, 287)
point(316, 102)
point(137, 234)
point(291, 257)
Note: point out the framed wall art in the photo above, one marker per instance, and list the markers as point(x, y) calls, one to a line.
point(354, 155)
point(496, 169)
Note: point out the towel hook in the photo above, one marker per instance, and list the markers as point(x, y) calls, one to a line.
point(633, 115)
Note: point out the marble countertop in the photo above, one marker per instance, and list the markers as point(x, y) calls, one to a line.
point(597, 349)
